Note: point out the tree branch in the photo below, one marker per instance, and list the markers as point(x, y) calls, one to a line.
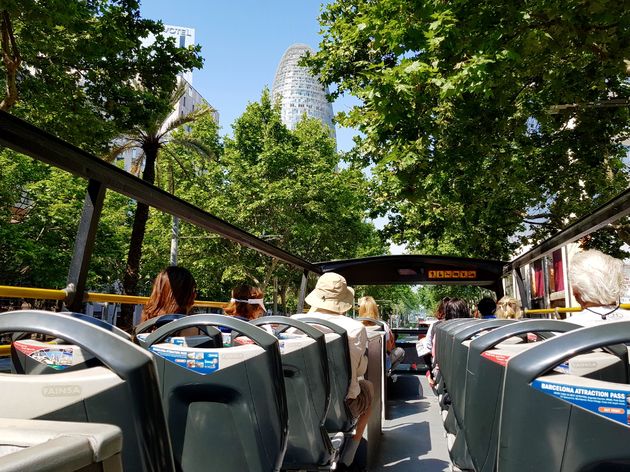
point(540, 223)
point(12, 60)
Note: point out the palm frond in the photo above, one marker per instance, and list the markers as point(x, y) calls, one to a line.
point(136, 165)
point(192, 175)
point(196, 146)
point(119, 149)
point(186, 119)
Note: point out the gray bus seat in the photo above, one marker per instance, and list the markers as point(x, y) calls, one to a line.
point(445, 365)
point(209, 337)
point(307, 383)
point(55, 355)
point(338, 418)
point(93, 395)
point(90, 319)
point(459, 358)
point(226, 407)
point(442, 329)
point(443, 348)
point(456, 366)
point(580, 424)
point(52, 446)
point(484, 375)
point(100, 323)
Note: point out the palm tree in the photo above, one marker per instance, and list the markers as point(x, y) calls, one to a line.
point(150, 139)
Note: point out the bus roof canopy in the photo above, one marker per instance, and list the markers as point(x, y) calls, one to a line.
point(417, 269)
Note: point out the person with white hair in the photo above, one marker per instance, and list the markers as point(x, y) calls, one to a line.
point(597, 281)
point(330, 300)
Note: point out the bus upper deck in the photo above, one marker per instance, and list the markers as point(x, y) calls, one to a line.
point(101, 402)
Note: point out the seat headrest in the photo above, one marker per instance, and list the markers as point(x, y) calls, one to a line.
point(295, 344)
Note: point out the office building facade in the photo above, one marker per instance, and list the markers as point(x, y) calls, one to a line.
point(190, 100)
point(299, 91)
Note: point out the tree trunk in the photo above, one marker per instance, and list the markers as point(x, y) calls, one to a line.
point(283, 299)
point(141, 216)
point(12, 60)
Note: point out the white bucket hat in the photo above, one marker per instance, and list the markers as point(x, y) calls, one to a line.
point(331, 293)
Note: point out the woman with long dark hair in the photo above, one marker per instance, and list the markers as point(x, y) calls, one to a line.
point(174, 291)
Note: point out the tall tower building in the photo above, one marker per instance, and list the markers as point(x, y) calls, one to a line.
point(299, 91)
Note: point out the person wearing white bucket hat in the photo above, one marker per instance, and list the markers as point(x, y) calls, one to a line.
point(330, 299)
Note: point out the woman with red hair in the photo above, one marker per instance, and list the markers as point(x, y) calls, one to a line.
point(246, 303)
point(174, 291)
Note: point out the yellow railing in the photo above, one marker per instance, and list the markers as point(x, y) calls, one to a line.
point(572, 309)
point(47, 294)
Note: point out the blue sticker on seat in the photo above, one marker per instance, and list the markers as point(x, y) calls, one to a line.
point(610, 403)
point(198, 361)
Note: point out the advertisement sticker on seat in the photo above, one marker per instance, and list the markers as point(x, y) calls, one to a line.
point(501, 359)
point(56, 357)
point(198, 361)
point(609, 403)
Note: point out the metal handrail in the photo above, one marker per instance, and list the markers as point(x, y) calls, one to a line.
point(48, 294)
point(572, 309)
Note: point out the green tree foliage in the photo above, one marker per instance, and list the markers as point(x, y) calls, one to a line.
point(460, 113)
point(36, 246)
point(150, 137)
point(79, 70)
point(393, 300)
point(285, 186)
point(82, 72)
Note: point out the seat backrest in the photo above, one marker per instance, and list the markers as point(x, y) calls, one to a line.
point(571, 411)
point(442, 331)
point(28, 445)
point(446, 350)
point(209, 337)
point(459, 360)
point(307, 382)
point(225, 407)
point(123, 393)
point(338, 418)
point(488, 355)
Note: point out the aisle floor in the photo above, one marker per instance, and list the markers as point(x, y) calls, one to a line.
point(413, 435)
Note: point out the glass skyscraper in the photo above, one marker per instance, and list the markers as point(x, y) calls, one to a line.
point(299, 91)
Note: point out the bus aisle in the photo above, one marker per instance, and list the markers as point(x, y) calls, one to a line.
point(413, 434)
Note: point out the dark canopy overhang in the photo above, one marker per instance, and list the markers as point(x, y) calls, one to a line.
point(417, 269)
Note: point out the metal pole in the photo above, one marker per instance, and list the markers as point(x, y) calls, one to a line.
point(525, 302)
point(84, 243)
point(275, 296)
point(174, 241)
point(300, 305)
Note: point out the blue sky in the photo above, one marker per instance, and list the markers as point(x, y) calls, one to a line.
point(242, 42)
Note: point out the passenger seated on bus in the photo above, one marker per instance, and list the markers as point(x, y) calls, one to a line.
point(508, 308)
point(596, 282)
point(330, 299)
point(424, 347)
point(368, 308)
point(486, 308)
point(453, 308)
point(246, 303)
point(174, 291)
